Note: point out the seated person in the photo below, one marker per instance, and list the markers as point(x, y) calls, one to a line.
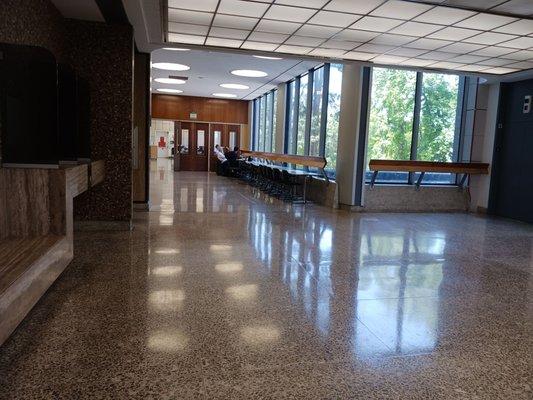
point(223, 164)
point(233, 157)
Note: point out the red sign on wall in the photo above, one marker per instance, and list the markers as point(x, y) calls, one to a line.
point(162, 142)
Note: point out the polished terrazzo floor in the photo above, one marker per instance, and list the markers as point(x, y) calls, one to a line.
point(221, 292)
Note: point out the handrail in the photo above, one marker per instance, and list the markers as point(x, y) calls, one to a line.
point(428, 166)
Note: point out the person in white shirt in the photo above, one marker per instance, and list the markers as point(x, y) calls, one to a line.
point(223, 161)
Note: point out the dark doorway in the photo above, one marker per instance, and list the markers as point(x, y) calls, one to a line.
point(511, 193)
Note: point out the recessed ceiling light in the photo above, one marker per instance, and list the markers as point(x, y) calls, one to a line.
point(170, 81)
point(224, 95)
point(175, 49)
point(234, 86)
point(171, 66)
point(269, 58)
point(249, 73)
point(170, 90)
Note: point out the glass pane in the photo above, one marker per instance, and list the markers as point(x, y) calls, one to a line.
point(438, 115)
point(184, 141)
point(200, 142)
point(217, 135)
point(316, 111)
point(232, 140)
point(256, 125)
point(391, 118)
point(293, 127)
point(302, 114)
point(274, 127)
point(262, 114)
point(334, 107)
point(268, 126)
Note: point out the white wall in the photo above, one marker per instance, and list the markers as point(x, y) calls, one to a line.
point(163, 128)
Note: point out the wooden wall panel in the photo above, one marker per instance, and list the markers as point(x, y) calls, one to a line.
point(208, 109)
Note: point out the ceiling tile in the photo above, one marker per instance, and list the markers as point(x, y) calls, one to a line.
point(455, 34)
point(467, 59)
point(407, 52)
point(230, 21)
point(358, 36)
point(376, 24)
point(266, 25)
point(189, 17)
point(304, 41)
point(268, 37)
point(472, 68)
point(213, 41)
point(496, 62)
point(259, 45)
point(354, 7)
point(519, 7)
point(286, 13)
point(332, 18)
point(228, 33)
point(437, 55)
point(461, 48)
point(416, 62)
point(293, 49)
point(244, 8)
point(387, 59)
point(317, 31)
point(400, 9)
point(189, 39)
point(415, 29)
point(485, 21)
point(429, 44)
point(522, 43)
point(322, 52)
point(521, 65)
point(340, 44)
point(474, 4)
point(444, 15)
point(499, 71)
point(199, 5)
point(493, 51)
point(522, 27)
point(520, 55)
point(446, 65)
point(303, 3)
point(490, 38)
point(177, 27)
point(375, 48)
point(357, 55)
point(392, 40)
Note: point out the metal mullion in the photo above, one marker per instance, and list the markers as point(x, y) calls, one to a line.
point(264, 123)
point(416, 121)
point(309, 100)
point(460, 119)
point(324, 111)
point(272, 111)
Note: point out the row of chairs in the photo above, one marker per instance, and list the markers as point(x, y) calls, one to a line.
point(275, 182)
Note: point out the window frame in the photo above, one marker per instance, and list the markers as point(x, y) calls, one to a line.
point(259, 120)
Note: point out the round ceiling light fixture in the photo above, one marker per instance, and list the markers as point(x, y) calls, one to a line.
point(269, 57)
point(165, 90)
point(249, 73)
point(237, 86)
point(227, 95)
point(170, 66)
point(175, 49)
point(170, 81)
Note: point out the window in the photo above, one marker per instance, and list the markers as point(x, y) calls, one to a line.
point(292, 113)
point(302, 116)
point(263, 122)
point(414, 116)
point(316, 112)
point(274, 119)
point(334, 108)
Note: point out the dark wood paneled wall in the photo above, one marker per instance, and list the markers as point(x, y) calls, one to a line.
point(208, 109)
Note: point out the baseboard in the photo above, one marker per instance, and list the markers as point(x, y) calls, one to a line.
point(482, 210)
point(81, 226)
point(141, 206)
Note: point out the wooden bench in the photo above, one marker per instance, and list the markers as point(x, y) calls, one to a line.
point(306, 161)
point(36, 232)
point(427, 166)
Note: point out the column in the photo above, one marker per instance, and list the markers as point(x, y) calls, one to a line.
point(280, 117)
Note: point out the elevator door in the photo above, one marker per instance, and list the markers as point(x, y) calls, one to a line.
point(512, 180)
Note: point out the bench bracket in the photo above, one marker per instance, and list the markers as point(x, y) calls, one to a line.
point(373, 180)
point(419, 180)
point(463, 181)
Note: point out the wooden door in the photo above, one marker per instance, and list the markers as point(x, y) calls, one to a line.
point(217, 135)
point(192, 139)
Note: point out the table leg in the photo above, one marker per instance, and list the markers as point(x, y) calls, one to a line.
point(305, 189)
